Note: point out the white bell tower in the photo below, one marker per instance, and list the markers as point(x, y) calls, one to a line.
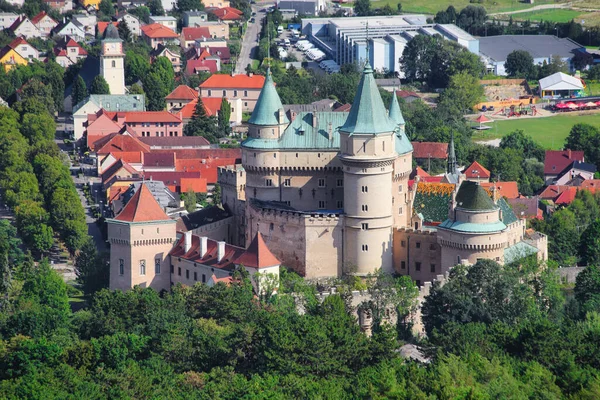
point(112, 60)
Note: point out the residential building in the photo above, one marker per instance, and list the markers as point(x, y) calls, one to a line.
point(166, 21)
point(190, 35)
point(194, 18)
point(556, 161)
point(303, 7)
point(62, 6)
point(90, 4)
point(173, 56)
point(229, 15)
point(10, 58)
point(197, 66)
point(7, 19)
point(216, 3)
point(71, 28)
point(44, 23)
point(109, 102)
point(25, 50)
point(244, 87)
point(179, 97)
point(477, 173)
point(168, 5)
point(155, 34)
point(68, 52)
point(25, 28)
point(88, 21)
point(212, 106)
point(112, 60)
point(345, 39)
point(133, 23)
point(575, 173)
point(495, 49)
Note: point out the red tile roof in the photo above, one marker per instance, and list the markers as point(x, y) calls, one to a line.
point(227, 13)
point(257, 255)
point(210, 258)
point(142, 207)
point(18, 41)
point(221, 81)
point(405, 93)
point(156, 31)
point(212, 105)
point(525, 207)
point(435, 150)
point(476, 170)
point(195, 66)
point(175, 141)
point(159, 159)
point(557, 160)
point(102, 25)
point(115, 168)
point(420, 172)
point(122, 143)
point(17, 22)
point(182, 92)
point(193, 33)
point(567, 196)
point(144, 116)
point(590, 184)
point(40, 16)
point(552, 191)
point(510, 190)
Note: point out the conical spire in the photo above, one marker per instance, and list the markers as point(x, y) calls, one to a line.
point(368, 114)
point(395, 114)
point(451, 156)
point(266, 110)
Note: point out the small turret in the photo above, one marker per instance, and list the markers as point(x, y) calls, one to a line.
point(395, 114)
point(451, 168)
point(268, 110)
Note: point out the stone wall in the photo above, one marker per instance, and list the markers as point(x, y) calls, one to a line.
point(569, 274)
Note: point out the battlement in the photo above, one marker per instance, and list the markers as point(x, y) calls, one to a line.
point(430, 232)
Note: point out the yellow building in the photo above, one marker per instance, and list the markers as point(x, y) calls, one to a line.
point(88, 3)
point(9, 58)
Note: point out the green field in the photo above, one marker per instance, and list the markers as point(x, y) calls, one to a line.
point(550, 132)
point(556, 15)
point(433, 6)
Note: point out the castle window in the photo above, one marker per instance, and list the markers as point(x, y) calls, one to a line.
point(142, 267)
point(417, 266)
point(365, 247)
point(365, 189)
point(340, 204)
point(399, 188)
point(142, 231)
point(246, 94)
point(187, 274)
point(457, 259)
point(269, 182)
point(364, 227)
point(321, 204)
point(432, 266)
point(321, 182)
point(402, 264)
point(340, 183)
point(179, 271)
point(287, 182)
point(274, 155)
point(114, 64)
point(157, 230)
point(296, 155)
point(432, 246)
point(365, 207)
point(157, 265)
point(235, 93)
point(364, 147)
point(224, 93)
point(203, 278)
point(498, 259)
point(383, 143)
point(271, 226)
point(195, 275)
point(402, 243)
point(254, 155)
point(318, 155)
point(121, 266)
point(400, 211)
point(418, 245)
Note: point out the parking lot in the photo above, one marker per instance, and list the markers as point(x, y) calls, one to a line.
point(292, 50)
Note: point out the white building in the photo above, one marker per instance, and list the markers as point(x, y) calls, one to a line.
point(7, 19)
point(169, 22)
point(112, 60)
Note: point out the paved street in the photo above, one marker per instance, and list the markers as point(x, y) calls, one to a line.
point(250, 42)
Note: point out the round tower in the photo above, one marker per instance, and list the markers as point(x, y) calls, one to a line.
point(368, 152)
point(260, 153)
point(112, 60)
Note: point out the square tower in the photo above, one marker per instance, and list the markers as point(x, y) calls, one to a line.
point(112, 60)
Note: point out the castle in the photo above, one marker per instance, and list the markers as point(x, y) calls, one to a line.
point(325, 194)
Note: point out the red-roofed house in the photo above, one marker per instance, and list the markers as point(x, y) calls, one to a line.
point(62, 6)
point(193, 67)
point(155, 34)
point(141, 237)
point(408, 96)
point(163, 51)
point(189, 36)
point(477, 173)
point(593, 184)
point(244, 87)
point(552, 191)
point(102, 25)
point(68, 52)
point(227, 14)
point(212, 105)
point(44, 23)
point(420, 172)
point(557, 160)
point(180, 96)
point(427, 150)
point(510, 189)
point(566, 197)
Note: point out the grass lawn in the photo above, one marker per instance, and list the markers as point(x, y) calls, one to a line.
point(550, 132)
point(556, 15)
point(433, 6)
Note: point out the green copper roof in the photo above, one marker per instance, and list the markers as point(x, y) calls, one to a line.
point(403, 145)
point(432, 205)
point(368, 114)
point(268, 105)
point(470, 227)
point(508, 215)
point(518, 251)
point(395, 113)
point(301, 134)
point(472, 196)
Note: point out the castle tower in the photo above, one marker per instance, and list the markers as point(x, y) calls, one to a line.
point(367, 152)
point(259, 151)
point(401, 200)
point(141, 237)
point(112, 60)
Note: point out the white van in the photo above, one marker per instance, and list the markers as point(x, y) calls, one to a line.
point(280, 30)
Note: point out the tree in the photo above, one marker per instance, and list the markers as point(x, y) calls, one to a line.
point(125, 32)
point(187, 5)
point(471, 18)
point(202, 125)
point(563, 238)
point(156, 7)
point(224, 116)
point(35, 97)
point(417, 56)
point(91, 268)
point(190, 200)
point(38, 128)
point(155, 92)
point(463, 92)
point(594, 72)
point(106, 7)
point(587, 288)
point(54, 78)
point(80, 91)
point(136, 67)
point(362, 7)
point(99, 86)
point(136, 89)
point(585, 137)
point(387, 291)
point(217, 194)
point(519, 64)
point(32, 223)
point(589, 244)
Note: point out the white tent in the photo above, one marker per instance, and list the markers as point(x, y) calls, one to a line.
point(560, 81)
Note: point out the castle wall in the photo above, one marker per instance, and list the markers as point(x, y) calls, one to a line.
point(220, 231)
point(417, 254)
point(137, 244)
point(189, 273)
point(460, 248)
point(232, 180)
point(401, 197)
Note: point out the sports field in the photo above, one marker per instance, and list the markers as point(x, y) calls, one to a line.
point(550, 132)
point(433, 6)
point(554, 15)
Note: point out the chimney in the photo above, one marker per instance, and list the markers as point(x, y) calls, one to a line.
point(250, 74)
point(314, 120)
point(203, 246)
point(569, 153)
point(220, 251)
point(188, 241)
point(281, 116)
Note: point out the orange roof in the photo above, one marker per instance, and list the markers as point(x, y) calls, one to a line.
point(476, 170)
point(193, 33)
point(227, 280)
point(142, 207)
point(182, 92)
point(158, 31)
point(120, 143)
point(590, 184)
point(552, 191)
point(430, 149)
point(227, 13)
point(420, 172)
point(257, 255)
point(102, 25)
point(188, 110)
point(510, 190)
point(198, 185)
point(567, 196)
point(212, 105)
point(219, 81)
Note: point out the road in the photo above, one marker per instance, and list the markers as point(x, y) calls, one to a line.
point(535, 8)
point(250, 42)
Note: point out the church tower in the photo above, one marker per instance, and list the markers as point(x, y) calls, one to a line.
point(112, 60)
point(368, 152)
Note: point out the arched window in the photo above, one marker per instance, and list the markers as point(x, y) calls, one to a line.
point(113, 63)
